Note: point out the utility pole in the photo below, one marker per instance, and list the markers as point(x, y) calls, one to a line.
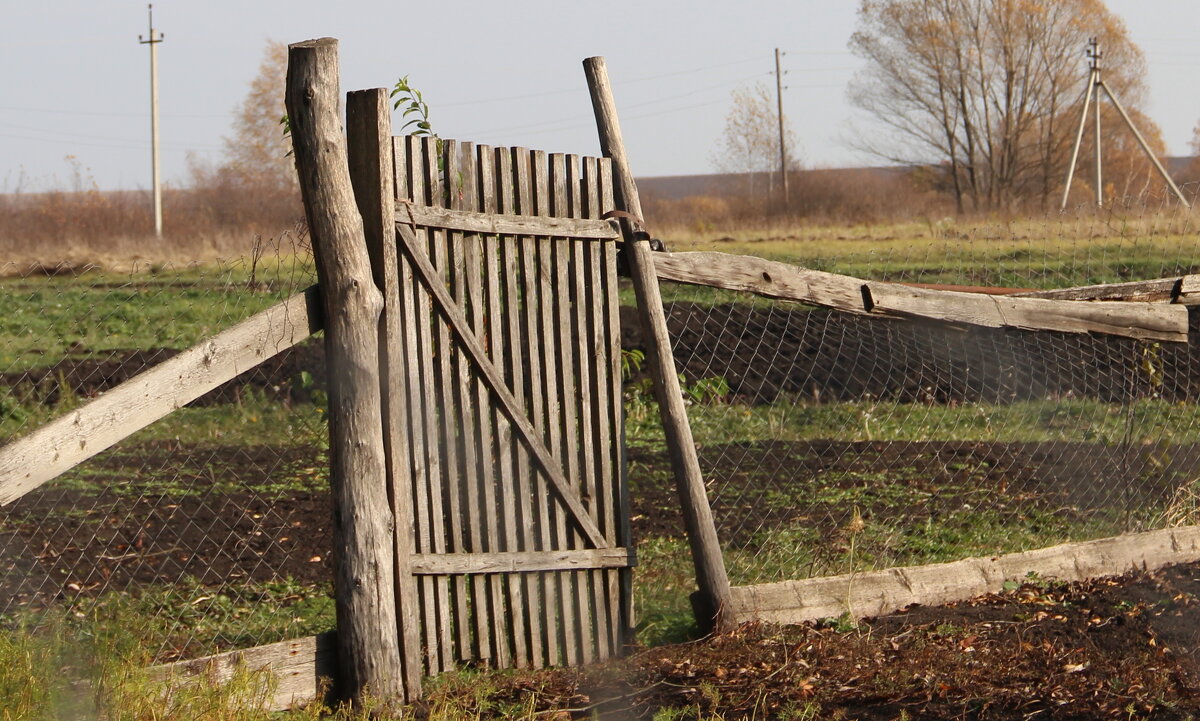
point(1095, 84)
point(153, 40)
point(1094, 62)
point(782, 146)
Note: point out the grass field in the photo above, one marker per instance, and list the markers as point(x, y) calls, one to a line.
point(69, 659)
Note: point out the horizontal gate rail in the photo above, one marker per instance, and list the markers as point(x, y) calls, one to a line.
point(491, 224)
point(434, 564)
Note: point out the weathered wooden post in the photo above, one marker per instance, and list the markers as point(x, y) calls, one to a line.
point(368, 654)
point(369, 139)
point(714, 594)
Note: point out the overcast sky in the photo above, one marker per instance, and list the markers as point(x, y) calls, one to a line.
point(76, 81)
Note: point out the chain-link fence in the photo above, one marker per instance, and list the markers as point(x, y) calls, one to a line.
point(210, 528)
point(836, 443)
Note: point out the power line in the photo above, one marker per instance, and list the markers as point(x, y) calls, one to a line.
point(94, 113)
point(582, 90)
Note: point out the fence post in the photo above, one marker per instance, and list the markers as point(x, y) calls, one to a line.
point(369, 147)
point(368, 654)
point(713, 599)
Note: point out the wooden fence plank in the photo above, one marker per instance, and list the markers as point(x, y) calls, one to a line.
point(462, 494)
point(369, 148)
point(620, 582)
point(523, 561)
point(497, 457)
point(579, 423)
point(453, 409)
point(1145, 321)
point(489, 224)
point(538, 612)
point(506, 334)
point(771, 279)
point(548, 331)
point(406, 160)
point(434, 591)
point(299, 669)
point(599, 382)
point(880, 592)
point(67, 441)
point(474, 398)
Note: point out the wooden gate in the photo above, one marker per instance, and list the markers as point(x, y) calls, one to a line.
point(502, 400)
point(510, 361)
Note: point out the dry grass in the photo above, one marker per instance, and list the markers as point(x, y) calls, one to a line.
point(67, 229)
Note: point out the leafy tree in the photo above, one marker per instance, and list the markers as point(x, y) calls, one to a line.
point(749, 146)
point(258, 151)
point(991, 90)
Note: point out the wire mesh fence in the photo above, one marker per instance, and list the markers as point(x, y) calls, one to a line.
point(836, 443)
point(208, 529)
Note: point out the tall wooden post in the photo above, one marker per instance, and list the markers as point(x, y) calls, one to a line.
point(368, 654)
point(369, 140)
point(714, 594)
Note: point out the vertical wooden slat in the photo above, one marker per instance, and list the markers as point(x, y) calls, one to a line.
point(592, 365)
point(422, 409)
point(441, 404)
point(555, 256)
point(523, 596)
point(478, 422)
point(497, 507)
point(620, 491)
point(598, 380)
point(538, 272)
point(606, 384)
point(369, 146)
point(446, 250)
point(569, 269)
point(409, 186)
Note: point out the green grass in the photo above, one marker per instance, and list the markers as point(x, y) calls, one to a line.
point(799, 419)
point(47, 319)
point(89, 660)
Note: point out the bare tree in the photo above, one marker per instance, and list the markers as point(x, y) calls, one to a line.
point(991, 90)
point(749, 145)
point(257, 151)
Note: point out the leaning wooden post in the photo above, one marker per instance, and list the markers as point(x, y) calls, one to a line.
point(713, 599)
point(368, 655)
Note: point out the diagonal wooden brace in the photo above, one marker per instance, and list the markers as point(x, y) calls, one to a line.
point(495, 381)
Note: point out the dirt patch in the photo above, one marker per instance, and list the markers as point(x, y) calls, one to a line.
point(219, 516)
point(1121, 647)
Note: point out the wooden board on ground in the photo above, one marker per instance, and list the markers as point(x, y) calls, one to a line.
point(298, 669)
point(890, 590)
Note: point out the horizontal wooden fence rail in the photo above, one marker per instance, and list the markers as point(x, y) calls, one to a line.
point(65, 442)
point(492, 224)
point(1184, 290)
point(772, 279)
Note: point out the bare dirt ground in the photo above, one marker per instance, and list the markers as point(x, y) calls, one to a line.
point(1114, 648)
